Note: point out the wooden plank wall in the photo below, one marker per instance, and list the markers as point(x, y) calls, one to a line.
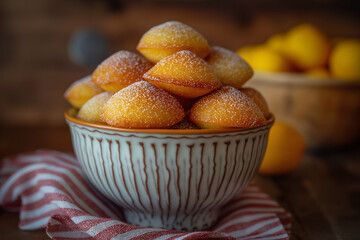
point(35, 69)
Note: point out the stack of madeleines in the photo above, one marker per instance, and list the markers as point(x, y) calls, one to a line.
point(180, 83)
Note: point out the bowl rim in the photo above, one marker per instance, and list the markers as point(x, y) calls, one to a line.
point(299, 79)
point(70, 118)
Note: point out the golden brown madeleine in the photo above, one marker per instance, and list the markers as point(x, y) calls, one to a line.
point(229, 67)
point(183, 74)
point(120, 70)
point(142, 105)
point(80, 91)
point(226, 107)
point(259, 99)
point(91, 110)
point(170, 37)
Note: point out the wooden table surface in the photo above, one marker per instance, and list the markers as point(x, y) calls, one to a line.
point(323, 194)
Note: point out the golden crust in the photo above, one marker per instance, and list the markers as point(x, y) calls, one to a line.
point(183, 74)
point(229, 67)
point(81, 91)
point(120, 70)
point(142, 105)
point(171, 37)
point(181, 79)
point(226, 107)
point(259, 99)
point(91, 110)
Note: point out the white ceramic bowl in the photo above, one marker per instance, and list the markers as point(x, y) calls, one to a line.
point(176, 179)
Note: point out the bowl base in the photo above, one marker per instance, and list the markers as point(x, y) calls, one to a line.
point(182, 222)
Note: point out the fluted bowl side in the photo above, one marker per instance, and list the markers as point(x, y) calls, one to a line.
point(176, 181)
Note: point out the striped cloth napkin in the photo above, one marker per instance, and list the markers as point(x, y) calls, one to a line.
point(50, 191)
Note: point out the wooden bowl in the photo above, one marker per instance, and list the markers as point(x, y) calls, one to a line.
point(325, 111)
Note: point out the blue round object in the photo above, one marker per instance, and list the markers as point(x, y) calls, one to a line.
point(87, 47)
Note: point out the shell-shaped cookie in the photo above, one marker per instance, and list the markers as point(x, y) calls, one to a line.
point(183, 74)
point(170, 37)
point(142, 105)
point(226, 107)
point(120, 70)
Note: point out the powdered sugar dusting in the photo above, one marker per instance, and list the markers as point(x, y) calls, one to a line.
point(142, 105)
point(184, 68)
point(172, 34)
point(258, 98)
point(83, 80)
point(124, 67)
point(229, 67)
point(82, 88)
point(227, 107)
point(91, 111)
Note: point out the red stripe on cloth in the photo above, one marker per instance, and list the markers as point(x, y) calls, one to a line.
point(111, 232)
point(86, 225)
point(152, 235)
point(259, 206)
point(243, 225)
point(63, 224)
point(50, 186)
point(77, 192)
point(249, 198)
point(236, 215)
point(73, 170)
point(265, 228)
point(24, 222)
point(70, 159)
point(69, 196)
point(272, 236)
point(71, 238)
point(253, 210)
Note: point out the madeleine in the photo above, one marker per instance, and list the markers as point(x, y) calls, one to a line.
point(120, 70)
point(91, 110)
point(259, 99)
point(81, 91)
point(142, 105)
point(183, 74)
point(230, 68)
point(171, 37)
point(226, 107)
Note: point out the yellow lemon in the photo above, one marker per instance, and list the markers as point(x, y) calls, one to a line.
point(307, 46)
point(276, 42)
point(318, 73)
point(266, 59)
point(246, 52)
point(285, 150)
point(345, 60)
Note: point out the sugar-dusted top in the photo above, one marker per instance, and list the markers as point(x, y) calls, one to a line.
point(82, 88)
point(171, 34)
point(229, 67)
point(92, 109)
point(142, 105)
point(227, 107)
point(124, 66)
point(258, 98)
point(184, 68)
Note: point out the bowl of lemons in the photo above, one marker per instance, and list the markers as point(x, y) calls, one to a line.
point(311, 82)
